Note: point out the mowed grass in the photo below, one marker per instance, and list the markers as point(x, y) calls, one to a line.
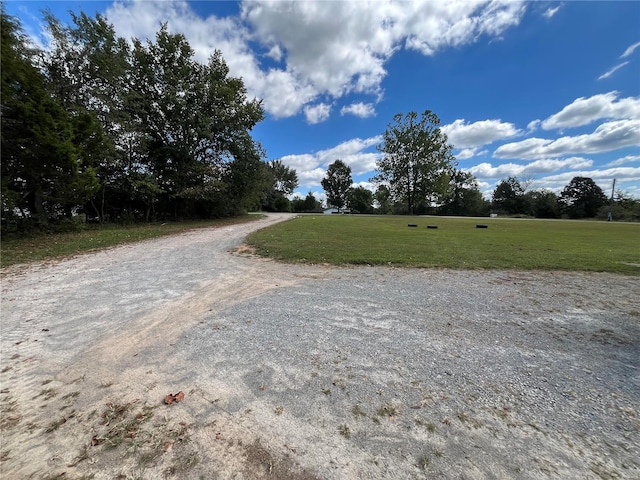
point(95, 237)
point(456, 243)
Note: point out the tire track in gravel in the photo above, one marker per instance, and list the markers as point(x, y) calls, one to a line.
point(75, 332)
point(347, 372)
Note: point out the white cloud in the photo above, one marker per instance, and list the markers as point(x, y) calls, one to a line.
point(284, 93)
point(623, 160)
point(368, 185)
point(432, 26)
point(583, 111)
point(630, 50)
point(325, 48)
point(607, 137)
point(352, 153)
point(311, 168)
point(360, 109)
point(623, 174)
point(469, 135)
point(342, 47)
point(467, 153)
point(533, 125)
point(551, 12)
point(275, 53)
point(486, 170)
point(311, 178)
point(317, 113)
point(608, 73)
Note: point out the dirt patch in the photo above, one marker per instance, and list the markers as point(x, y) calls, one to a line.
point(304, 372)
point(245, 249)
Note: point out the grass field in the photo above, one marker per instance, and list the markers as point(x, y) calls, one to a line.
point(46, 246)
point(456, 243)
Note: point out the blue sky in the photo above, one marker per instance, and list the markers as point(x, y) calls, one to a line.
point(540, 90)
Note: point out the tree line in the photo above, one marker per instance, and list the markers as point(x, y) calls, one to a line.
point(125, 130)
point(131, 130)
point(417, 174)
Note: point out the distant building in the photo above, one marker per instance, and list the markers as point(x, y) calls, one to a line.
point(333, 210)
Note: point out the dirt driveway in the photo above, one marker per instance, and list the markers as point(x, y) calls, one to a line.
point(306, 372)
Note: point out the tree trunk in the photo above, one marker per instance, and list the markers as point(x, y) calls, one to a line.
point(37, 204)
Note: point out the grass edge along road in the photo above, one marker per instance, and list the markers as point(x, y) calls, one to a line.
point(525, 244)
point(96, 237)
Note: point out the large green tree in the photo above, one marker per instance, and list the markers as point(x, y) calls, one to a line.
point(280, 182)
point(285, 179)
point(541, 204)
point(582, 198)
point(463, 197)
point(46, 151)
point(508, 196)
point(337, 183)
point(87, 68)
point(416, 162)
point(360, 200)
point(382, 197)
point(194, 119)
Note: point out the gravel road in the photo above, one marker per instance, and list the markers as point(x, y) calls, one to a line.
point(313, 372)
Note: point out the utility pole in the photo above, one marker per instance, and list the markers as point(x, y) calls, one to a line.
point(613, 189)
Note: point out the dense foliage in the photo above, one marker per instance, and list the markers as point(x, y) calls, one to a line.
point(337, 184)
point(580, 198)
point(416, 163)
point(118, 130)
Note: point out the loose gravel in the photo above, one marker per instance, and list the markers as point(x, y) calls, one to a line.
point(294, 371)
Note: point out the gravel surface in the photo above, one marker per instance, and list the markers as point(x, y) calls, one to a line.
point(305, 372)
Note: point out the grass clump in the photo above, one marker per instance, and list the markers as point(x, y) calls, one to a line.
point(357, 411)
point(387, 410)
point(345, 431)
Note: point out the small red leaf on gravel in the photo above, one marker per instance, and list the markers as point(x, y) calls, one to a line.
point(174, 397)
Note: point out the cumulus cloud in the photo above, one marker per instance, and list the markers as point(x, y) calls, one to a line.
point(284, 93)
point(607, 137)
point(311, 168)
point(360, 109)
point(352, 153)
point(467, 153)
point(311, 178)
point(317, 113)
point(629, 51)
point(325, 49)
point(469, 135)
point(583, 111)
point(613, 70)
point(487, 170)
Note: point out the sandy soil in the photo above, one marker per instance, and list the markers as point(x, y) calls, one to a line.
point(307, 372)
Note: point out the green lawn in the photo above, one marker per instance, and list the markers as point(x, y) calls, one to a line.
point(457, 243)
point(94, 237)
